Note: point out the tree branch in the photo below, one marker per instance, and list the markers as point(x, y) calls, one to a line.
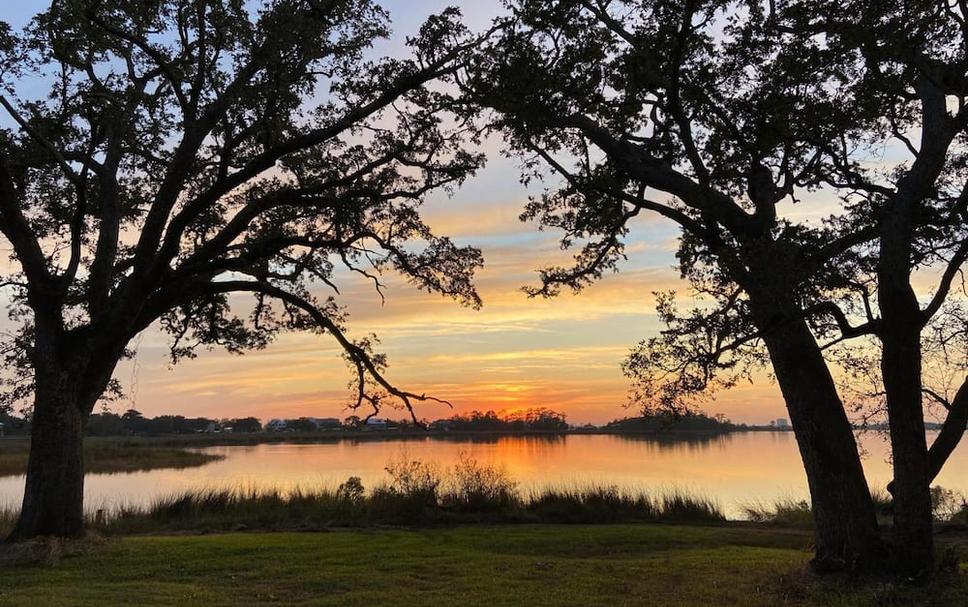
point(356, 353)
point(846, 329)
point(659, 175)
point(944, 286)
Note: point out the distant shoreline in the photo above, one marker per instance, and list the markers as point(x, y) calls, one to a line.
point(111, 456)
point(325, 436)
point(216, 439)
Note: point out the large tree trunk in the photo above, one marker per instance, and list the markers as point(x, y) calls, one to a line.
point(847, 537)
point(901, 370)
point(69, 378)
point(846, 525)
point(901, 325)
point(53, 501)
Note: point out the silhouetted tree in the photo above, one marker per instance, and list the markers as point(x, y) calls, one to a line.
point(191, 157)
point(716, 115)
point(133, 422)
point(536, 418)
point(246, 424)
point(662, 421)
point(302, 424)
point(910, 60)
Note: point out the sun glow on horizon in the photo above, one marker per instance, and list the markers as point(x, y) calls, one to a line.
point(516, 353)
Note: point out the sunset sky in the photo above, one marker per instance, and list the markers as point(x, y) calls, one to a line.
point(515, 352)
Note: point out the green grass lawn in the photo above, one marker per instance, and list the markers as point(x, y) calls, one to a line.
point(645, 564)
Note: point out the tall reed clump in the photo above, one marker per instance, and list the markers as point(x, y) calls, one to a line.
point(8, 518)
point(419, 492)
point(684, 507)
point(411, 497)
point(947, 506)
point(479, 488)
point(592, 505)
point(785, 512)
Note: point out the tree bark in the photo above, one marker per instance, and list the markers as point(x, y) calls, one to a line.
point(847, 536)
point(846, 525)
point(901, 325)
point(53, 503)
point(901, 370)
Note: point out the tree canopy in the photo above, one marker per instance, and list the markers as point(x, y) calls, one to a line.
point(741, 122)
point(188, 152)
point(735, 122)
point(187, 160)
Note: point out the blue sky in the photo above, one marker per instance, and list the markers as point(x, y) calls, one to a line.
point(516, 352)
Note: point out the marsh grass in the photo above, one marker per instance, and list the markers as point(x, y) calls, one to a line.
point(416, 494)
point(592, 504)
point(8, 517)
point(948, 507)
point(422, 495)
point(883, 502)
point(236, 509)
point(419, 493)
point(475, 487)
point(319, 509)
point(684, 507)
point(787, 512)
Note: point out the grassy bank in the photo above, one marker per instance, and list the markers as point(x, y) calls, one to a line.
point(324, 509)
point(422, 494)
point(109, 455)
point(417, 493)
point(648, 564)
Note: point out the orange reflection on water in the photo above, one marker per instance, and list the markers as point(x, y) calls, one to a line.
point(734, 469)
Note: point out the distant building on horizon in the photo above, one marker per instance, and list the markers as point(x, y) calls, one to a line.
point(276, 425)
point(782, 423)
point(327, 423)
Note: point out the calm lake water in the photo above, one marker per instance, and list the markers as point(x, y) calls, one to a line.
point(734, 469)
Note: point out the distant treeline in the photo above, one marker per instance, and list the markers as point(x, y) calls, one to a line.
point(537, 419)
point(658, 422)
point(133, 423)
